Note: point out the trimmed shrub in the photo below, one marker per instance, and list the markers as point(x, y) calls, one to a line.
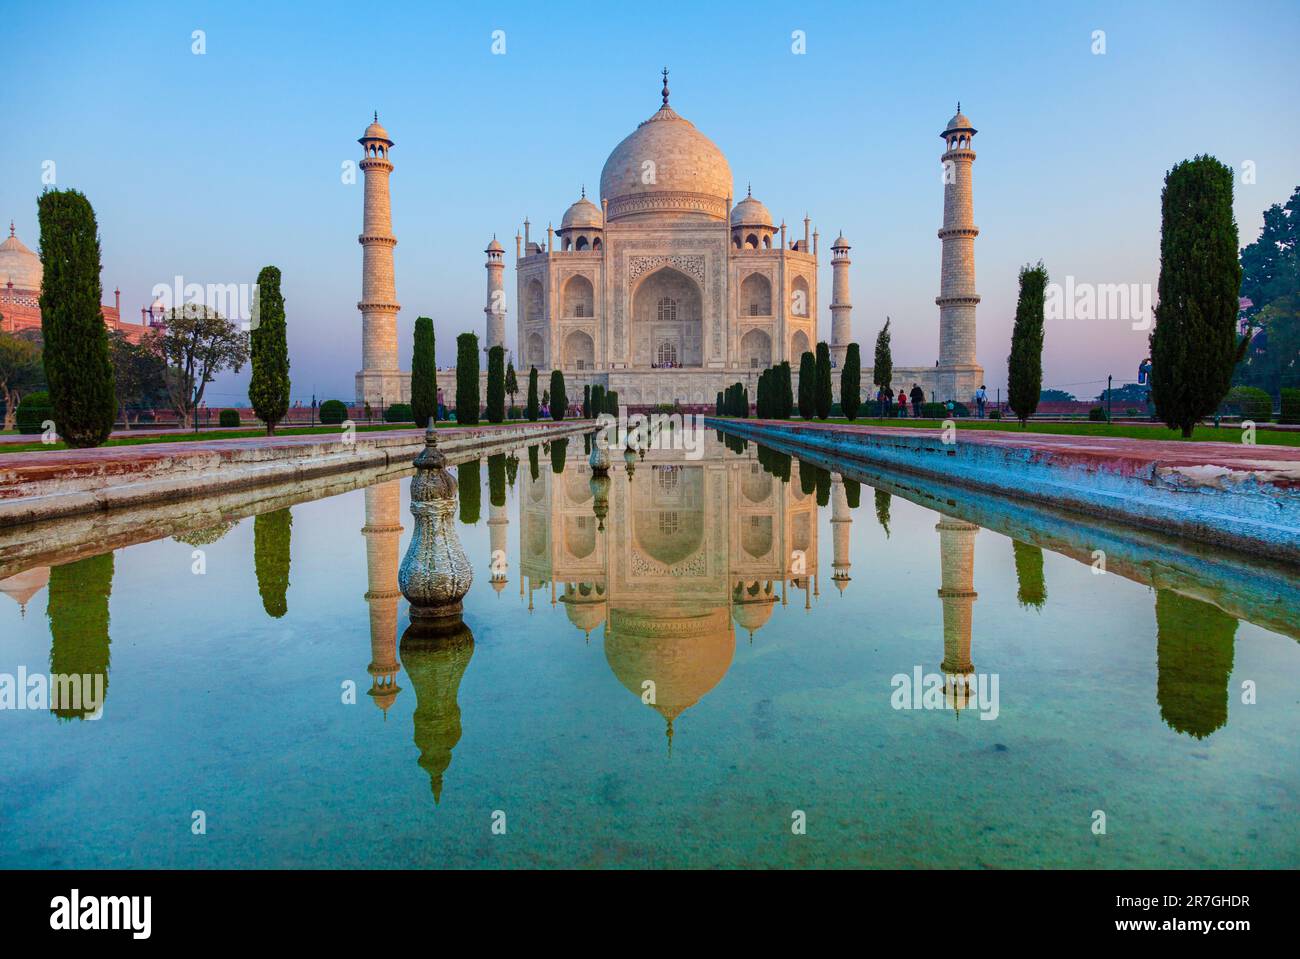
point(467, 408)
point(33, 410)
point(333, 411)
point(1290, 405)
point(1248, 402)
point(229, 418)
point(995, 414)
point(1097, 414)
point(400, 413)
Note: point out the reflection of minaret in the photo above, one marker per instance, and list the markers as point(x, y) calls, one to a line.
point(383, 532)
point(841, 521)
point(498, 527)
point(22, 587)
point(435, 667)
point(957, 593)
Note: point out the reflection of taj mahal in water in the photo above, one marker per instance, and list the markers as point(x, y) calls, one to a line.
point(688, 552)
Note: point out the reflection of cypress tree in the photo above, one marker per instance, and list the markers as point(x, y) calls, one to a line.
point(558, 450)
point(1031, 588)
point(823, 486)
point(271, 534)
point(852, 492)
point(512, 469)
point(469, 481)
point(807, 478)
point(532, 463)
point(497, 479)
point(78, 613)
point(435, 666)
point(586, 444)
point(882, 510)
point(775, 462)
point(1194, 662)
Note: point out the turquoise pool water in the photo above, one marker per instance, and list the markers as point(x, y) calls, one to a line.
point(780, 614)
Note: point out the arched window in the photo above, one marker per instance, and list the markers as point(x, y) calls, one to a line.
point(581, 244)
point(667, 310)
point(667, 354)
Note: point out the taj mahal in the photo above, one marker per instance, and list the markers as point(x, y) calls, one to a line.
point(667, 293)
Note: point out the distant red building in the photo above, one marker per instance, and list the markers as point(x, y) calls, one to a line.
point(20, 294)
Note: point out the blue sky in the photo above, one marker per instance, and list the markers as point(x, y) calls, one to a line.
point(212, 166)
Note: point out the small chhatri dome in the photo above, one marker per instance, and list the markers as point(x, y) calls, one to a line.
point(582, 215)
point(376, 132)
point(19, 265)
point(959, 123)
point(750, 212)
point(495, 246)
point(840, 243)
point(666, 166)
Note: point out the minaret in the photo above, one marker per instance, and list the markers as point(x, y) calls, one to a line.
point(957, 593)
point(959, 373)
point(383, 533)
point(841, 333)
point(841, 522)
point(380, 380)
point(496, 296)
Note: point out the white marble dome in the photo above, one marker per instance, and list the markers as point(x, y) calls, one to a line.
point(19, 265)
point(666, 166)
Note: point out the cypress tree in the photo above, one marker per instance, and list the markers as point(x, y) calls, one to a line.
point(597, 399)
point(586, 402)
point(512, 382)
point(1194, 345)
point(559, 399)
point(268, 388)
point(823, 397)
point(1025, 363)
point(719, 409)
point(271, 558)
point(76, 357)
point(883, 371)
point(467, 408)
point(786, 396)
point(496, 384)
point(807, 386)
point(851, 383)
point(424, 373)
point(532, 410)
point(611, 402)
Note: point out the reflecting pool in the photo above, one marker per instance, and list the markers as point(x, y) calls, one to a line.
point(744, 659)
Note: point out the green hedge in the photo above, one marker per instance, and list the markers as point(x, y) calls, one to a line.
point(33, 410)
point(333, 411)
point(229, 418)
point(399, 413)
point(1248, 402)
point(1290, 405)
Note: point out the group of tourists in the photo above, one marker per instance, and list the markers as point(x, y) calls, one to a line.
point(885, 399)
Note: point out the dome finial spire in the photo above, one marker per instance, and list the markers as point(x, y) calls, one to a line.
point(749, 189)
point(376, 116)
point(584, 191)
point(11, 227)
point(665, 93)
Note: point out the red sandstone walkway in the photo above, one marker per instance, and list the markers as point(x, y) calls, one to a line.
point(1271, 464)
point(18, 469)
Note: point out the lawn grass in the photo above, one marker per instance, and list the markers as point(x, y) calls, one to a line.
point(1221, 434)
point(212, 435)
